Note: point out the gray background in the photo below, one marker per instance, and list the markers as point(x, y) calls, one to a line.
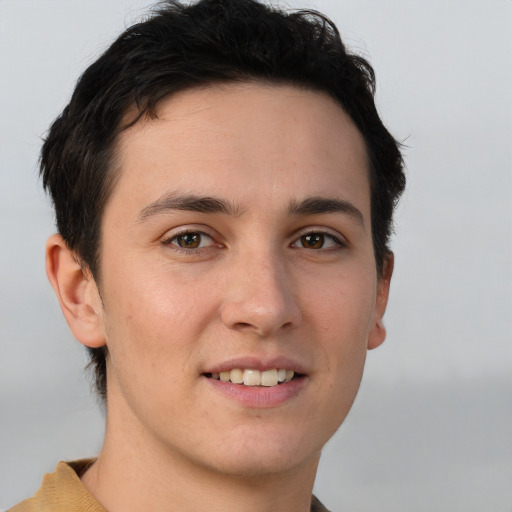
point(432, 427)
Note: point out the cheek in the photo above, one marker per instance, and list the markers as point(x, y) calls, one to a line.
point(343, 316)
point(346, 309)
point(149, 318)
point(153, 298)
point(346, 322)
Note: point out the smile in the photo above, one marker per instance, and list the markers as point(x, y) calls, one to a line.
point(250, 377)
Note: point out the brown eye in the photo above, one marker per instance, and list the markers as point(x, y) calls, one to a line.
point(191, 240)
point(312, 241)
point(316, 241)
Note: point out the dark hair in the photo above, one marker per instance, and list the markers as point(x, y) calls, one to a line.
point(180, 47)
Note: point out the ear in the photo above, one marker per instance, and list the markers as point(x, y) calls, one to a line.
point(378, 331)
point(77, 292)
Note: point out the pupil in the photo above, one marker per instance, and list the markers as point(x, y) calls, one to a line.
point(313, 241)
point(189, 240)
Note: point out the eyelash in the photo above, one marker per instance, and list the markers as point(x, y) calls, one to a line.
point(169, 241)
point(329, 236)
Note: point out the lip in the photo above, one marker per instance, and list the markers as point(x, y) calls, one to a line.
point(258, 363)
point(258, 397)
point(255, 396)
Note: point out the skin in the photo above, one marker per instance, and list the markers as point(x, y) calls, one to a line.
point(255, 287)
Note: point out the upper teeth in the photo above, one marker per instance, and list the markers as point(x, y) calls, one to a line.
point(250, 377)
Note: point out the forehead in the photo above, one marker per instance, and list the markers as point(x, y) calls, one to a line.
point(242, 141)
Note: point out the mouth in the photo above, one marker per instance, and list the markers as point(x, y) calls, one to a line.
point(258, 383)
point(255, 378)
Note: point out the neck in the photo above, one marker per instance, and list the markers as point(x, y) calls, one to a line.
point(135, 472)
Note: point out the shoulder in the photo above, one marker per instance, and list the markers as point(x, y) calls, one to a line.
point(62, 491)
point(316, 506)
point(25, 506)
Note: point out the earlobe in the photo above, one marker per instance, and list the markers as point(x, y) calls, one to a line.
point(377, 333)
point(76, 291)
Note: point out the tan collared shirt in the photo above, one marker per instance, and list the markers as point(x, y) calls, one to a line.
point(62, 491)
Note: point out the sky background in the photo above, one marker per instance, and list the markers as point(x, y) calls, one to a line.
point(431, 427)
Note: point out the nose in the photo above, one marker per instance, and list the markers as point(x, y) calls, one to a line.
point(260, 296)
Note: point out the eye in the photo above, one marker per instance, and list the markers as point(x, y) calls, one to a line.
point(190, 240)
point(318, 240)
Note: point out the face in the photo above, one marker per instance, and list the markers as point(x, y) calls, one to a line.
point(237, 255)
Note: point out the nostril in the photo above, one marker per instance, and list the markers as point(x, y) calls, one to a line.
point(243, 325)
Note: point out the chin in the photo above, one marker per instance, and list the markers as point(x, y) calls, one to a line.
point(266, 452)
point(259, 465)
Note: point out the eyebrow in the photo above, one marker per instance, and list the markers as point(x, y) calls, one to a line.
point(325, 205)
point(200, 204)
point(188, 202)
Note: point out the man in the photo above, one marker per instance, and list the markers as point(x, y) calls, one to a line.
point(224, 190)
